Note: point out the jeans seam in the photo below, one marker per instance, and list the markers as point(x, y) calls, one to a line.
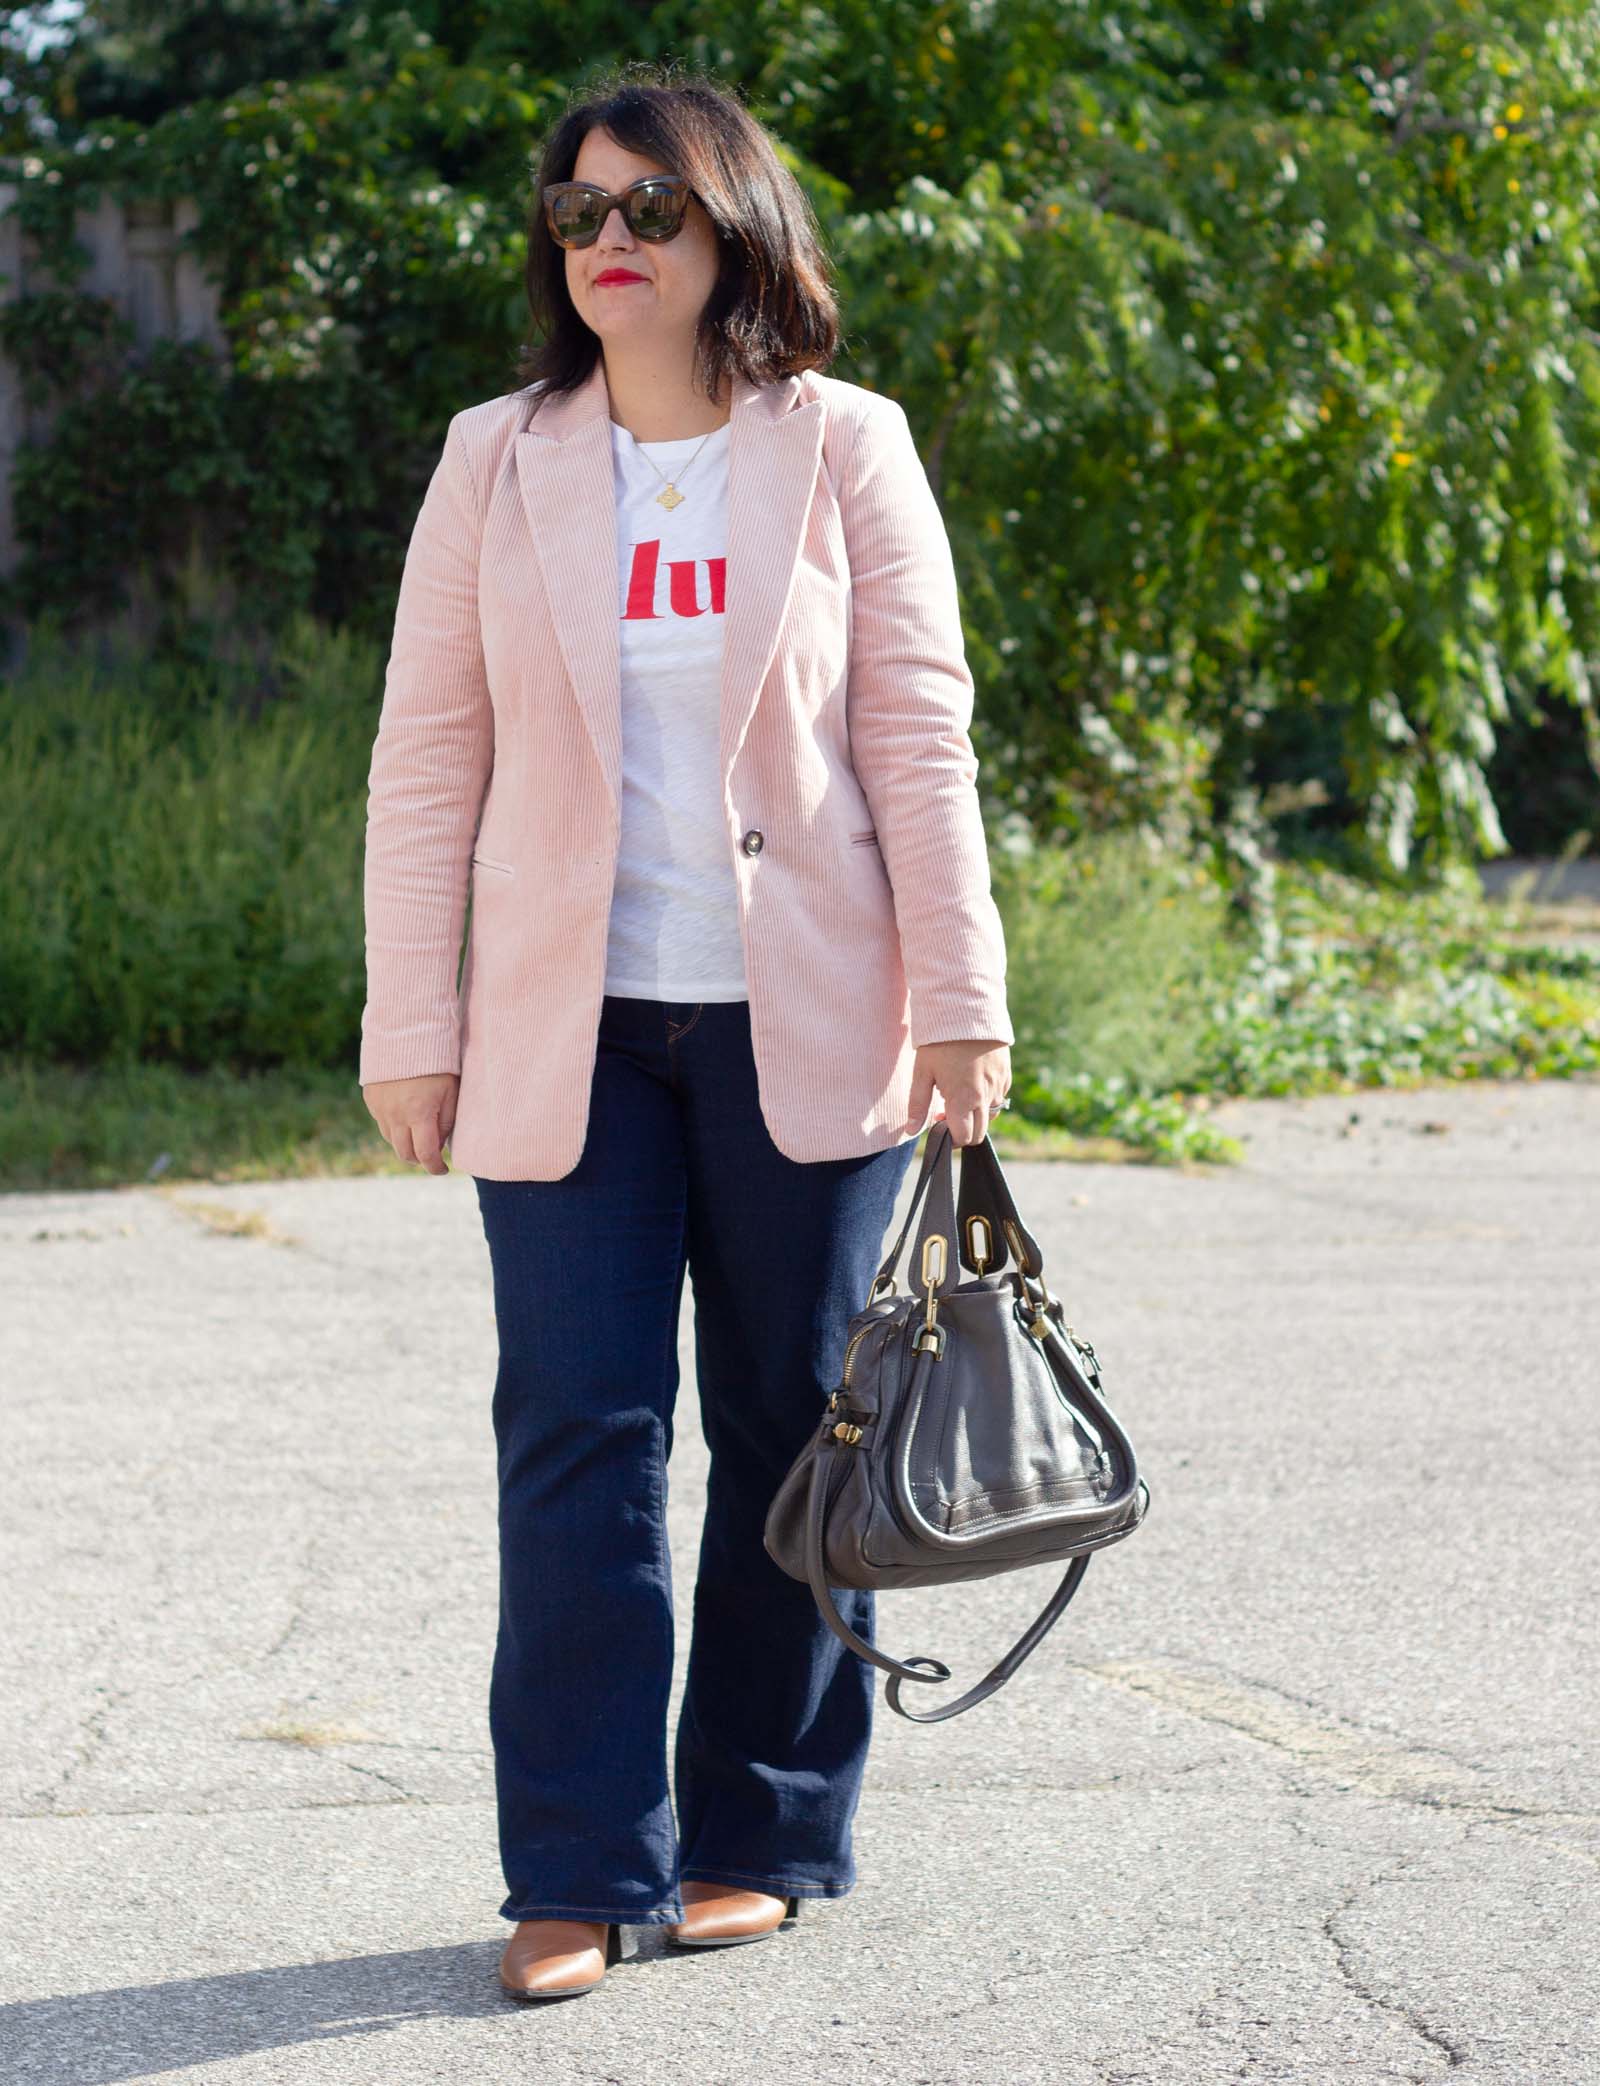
point(674, 1035)
point(663, 1547)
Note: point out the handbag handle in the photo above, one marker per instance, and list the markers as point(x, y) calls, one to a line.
point(984, 1193)
point(935, 1192)
point(904, 1670)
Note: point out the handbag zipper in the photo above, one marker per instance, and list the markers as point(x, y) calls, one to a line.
point(886, 1322)
point(856, 1339)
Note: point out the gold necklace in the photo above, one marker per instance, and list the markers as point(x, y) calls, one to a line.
point(672, 497)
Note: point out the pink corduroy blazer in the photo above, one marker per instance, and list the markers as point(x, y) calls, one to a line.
point(848, 776)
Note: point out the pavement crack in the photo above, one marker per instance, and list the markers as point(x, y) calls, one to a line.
point(1450, 2052)
point(378, 1775)
point(1331, 1749)
point(297, 1601)
point(90, 1742)
point(406, 1745)
point(326, 1803)
point(995, 1990)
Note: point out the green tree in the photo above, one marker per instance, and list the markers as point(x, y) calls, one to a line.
point(1251, 348)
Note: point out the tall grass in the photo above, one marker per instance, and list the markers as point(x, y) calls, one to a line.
point(181, 944)
point(1119, 957)
point(180, 857)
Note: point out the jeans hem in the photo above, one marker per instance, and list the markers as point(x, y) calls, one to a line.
point(630, 1918)
point(775, 1886)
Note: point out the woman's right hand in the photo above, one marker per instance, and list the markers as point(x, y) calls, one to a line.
point(415, 1115)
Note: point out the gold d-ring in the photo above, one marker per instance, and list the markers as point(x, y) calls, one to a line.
point(930, 1334)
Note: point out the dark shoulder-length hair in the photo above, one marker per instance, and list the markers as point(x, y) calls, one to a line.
point(772, 310)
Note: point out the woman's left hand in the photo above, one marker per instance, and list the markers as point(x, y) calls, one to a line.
point(969, 1076)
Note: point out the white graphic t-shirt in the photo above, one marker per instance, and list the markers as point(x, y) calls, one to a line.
point(674, 929)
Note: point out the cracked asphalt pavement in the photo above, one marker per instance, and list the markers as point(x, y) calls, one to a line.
point(1303, 1787)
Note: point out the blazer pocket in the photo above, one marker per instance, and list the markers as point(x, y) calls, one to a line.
point(502, 868)
point(866, 839)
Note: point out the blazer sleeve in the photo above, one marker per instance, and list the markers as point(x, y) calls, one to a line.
point(430, 765)
point(909, 700)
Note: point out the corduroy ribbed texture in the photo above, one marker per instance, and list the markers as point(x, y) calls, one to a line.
point(866, 912)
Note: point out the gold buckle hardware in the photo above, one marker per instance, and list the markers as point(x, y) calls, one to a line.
point(979, 1255)
point(1018, 1249)
point(1038, 1322)
point(930, 1334)
point(842, 1430)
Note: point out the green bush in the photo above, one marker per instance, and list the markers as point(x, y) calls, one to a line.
point(1248, 348)
point(1117, 951)
point(181, 945)
point(1362, 986)
point(180, 852)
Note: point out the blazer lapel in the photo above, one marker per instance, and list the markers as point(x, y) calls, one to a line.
point(774, 444)
point(564, 470)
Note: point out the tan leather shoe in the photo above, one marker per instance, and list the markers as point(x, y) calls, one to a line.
point(558, 1958)
point(716, 1914)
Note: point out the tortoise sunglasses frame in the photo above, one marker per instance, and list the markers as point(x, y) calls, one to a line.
point(633, 201)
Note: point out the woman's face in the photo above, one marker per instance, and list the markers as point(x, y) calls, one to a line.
point(670, 278)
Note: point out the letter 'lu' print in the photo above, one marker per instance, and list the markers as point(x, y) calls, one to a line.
point(695, 586)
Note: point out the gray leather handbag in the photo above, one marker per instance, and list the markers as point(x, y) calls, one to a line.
point(969, 1433)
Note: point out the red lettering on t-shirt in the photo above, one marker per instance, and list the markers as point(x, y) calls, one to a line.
point(683, 584)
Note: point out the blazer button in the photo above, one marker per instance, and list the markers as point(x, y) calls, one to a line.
point(751, 842)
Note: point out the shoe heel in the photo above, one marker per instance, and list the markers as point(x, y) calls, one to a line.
point(613, 1944)
point(793, 1910)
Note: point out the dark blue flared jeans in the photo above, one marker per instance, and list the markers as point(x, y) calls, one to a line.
point(678, 1171)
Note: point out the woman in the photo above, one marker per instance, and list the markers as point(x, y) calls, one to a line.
point(678, 671)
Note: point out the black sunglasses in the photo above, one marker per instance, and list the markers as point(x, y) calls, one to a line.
point(653, 208)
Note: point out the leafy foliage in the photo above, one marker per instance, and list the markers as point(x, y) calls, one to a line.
point(1251, 348)
point(191, 982)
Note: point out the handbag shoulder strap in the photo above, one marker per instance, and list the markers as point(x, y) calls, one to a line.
point(922, 1669)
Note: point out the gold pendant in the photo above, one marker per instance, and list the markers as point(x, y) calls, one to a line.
point(671, 497)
